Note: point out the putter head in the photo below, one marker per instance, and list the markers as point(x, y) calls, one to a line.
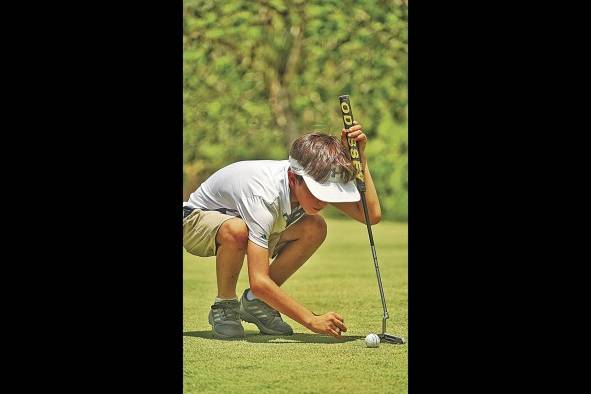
point(391, 339)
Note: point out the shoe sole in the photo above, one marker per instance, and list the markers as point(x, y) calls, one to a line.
point(247, 317)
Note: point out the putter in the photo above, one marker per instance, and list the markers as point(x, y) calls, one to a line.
point(360, 180)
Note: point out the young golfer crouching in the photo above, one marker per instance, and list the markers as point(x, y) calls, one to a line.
point(269, 209)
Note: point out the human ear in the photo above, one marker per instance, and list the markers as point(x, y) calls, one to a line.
point(291, 178)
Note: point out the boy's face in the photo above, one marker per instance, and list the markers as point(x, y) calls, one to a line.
point(310, 204)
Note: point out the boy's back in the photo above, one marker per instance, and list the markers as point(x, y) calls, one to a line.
point(256, 191)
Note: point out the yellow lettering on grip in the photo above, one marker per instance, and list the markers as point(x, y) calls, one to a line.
point(357, 165)
point(346, 109)
point(353, 145)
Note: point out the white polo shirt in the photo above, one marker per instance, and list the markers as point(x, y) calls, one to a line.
point(256, 191)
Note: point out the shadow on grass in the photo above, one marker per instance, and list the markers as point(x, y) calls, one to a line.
point(255, 337)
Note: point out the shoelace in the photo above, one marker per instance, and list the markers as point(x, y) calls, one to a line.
point(228, 309)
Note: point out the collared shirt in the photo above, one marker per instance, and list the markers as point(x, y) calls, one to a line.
point(257, 191)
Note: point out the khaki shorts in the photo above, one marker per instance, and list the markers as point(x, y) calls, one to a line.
point(200, 229)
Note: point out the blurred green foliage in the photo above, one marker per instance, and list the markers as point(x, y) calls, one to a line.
point(257, 74)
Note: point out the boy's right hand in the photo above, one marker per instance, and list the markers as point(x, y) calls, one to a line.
point(329, 323)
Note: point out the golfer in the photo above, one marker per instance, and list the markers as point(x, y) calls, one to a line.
point(267, 210)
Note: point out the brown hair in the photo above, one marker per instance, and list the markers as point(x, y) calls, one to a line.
point(320, 154)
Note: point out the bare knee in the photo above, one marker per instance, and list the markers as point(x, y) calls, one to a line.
point(315, 228)
point(233, 233)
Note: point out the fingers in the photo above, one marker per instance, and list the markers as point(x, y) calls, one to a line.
point(334, 333)
point(340, 326)
point(332, 324)
point(357, 135)
point(355, 132)
point(338, 323)
point(357, 127)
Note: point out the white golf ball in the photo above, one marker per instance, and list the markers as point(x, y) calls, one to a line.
point(372, 340)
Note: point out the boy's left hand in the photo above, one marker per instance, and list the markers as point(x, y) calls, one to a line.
point(355, 132)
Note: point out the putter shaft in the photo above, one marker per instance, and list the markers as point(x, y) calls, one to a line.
point(360, 181)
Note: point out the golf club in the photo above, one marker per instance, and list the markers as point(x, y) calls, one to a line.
point(360, 180)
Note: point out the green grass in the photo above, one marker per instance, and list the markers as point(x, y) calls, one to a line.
point(340, 277)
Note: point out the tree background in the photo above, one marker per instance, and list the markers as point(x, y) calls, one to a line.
point(258, 74)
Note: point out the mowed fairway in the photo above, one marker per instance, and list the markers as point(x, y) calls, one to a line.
point(340, 277)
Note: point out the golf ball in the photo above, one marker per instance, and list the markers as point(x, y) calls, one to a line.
point(372, 340)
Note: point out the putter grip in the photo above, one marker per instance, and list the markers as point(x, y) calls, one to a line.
point(348, 122)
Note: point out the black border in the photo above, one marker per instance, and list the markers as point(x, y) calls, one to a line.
point(100, 286)
point(487, 101)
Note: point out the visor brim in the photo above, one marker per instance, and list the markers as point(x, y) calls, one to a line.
point(332, 191)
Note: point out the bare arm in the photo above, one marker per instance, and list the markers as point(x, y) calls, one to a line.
point(268, 291)
point(355, 209)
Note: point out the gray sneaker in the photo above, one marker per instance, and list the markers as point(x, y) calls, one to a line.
point(267, 319)
point(224, 317)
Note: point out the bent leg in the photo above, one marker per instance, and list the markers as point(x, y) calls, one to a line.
point(303, 238)
point(232, 238)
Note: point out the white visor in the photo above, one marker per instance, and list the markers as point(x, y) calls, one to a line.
point(333, 190)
